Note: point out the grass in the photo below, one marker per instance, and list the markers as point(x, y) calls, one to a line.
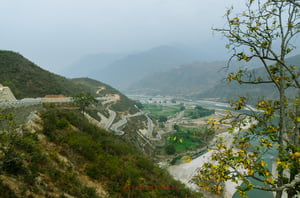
point(198, 112)
point(158, 110)
point(187, 139)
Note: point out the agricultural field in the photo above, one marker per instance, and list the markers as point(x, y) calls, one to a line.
point(185, 139)
point(159, 110)
point(198, 112)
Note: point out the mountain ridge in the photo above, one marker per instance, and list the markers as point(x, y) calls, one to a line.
point(182, 80)
point(123, 72)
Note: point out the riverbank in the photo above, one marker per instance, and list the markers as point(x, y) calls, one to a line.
point(186, 171)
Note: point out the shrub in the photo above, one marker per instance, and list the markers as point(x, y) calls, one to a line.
point(92, 170)
point(88, 192)
point(12, 162)
point(62, 124)
point(6, 192)
point(170, 149)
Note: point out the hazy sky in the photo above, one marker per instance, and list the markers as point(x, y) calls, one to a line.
point(54, 33)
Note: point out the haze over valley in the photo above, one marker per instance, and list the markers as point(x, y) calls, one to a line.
point(149, 98)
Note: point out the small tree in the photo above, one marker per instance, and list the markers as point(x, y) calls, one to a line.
point(162, 118)
point(170, 149)
point(265, 32)
point(83, 100)
point(176, 127)
point(182, 108)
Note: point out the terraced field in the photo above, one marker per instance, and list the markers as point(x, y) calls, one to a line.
point(160, 110)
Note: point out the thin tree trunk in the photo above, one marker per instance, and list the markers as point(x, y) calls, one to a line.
point(281, 129)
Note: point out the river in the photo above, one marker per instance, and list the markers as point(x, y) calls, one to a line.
point(184, 172)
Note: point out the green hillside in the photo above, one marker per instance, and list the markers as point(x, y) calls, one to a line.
point(27, 80)
point(62, 154)
point(124, 105)
point(91, 83)
point(68, 157)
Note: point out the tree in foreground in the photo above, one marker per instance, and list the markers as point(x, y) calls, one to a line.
point(265, 32)
point(83, 100)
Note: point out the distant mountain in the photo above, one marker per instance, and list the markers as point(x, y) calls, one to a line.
point(223, 91)
point(294, 60)
point(182, 80)
point(125, 71)
point(86, 65)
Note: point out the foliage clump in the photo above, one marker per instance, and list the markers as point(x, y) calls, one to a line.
point(264, 32)
point(109, 160)
point(198, 112)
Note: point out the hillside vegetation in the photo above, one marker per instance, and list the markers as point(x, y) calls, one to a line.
point(71, 158)
point(28, 80)
point(123, 105)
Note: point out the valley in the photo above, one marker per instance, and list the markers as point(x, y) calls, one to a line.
point(188, 135)
point(172, 131)
point(161, 128)
point(183, 162)
point(150, 99)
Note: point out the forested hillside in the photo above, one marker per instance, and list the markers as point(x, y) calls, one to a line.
point(28, 80)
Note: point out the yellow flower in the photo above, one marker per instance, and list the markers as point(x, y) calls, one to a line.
point(250, 172)
point(279, 162)
point(287, 165)
point(188, 159)
point(219, 188)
